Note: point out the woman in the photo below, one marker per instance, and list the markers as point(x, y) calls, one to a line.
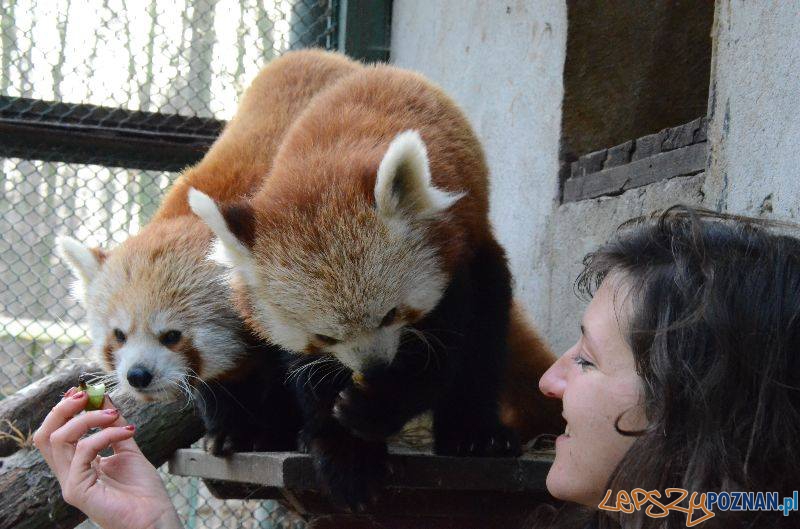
point(687, 371)
point(686, 375)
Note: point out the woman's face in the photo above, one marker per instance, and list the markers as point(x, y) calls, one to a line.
point(596, 382)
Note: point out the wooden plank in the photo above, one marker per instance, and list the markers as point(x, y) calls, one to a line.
point(616, 180)
point(266, 469)
point(431, 504)
point(295, 471)
point(421, 487)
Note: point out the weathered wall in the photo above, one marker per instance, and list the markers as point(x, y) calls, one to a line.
point(577, 228)
point(755, 109)
point(632, 68)
point(502, 62)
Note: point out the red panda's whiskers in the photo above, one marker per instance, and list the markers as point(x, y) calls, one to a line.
point(295, 373)
point(425, 338)
point(336, 371)
point(193, 375)
point(109, 379)
point(197, 395)
point(213, 392)
point(191, 396)
point(178, 386)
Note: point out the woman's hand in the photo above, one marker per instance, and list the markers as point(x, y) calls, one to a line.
point(119, 491)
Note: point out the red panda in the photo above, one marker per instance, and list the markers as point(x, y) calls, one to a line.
point(369, 253)
point(523, 407)
point(160, 314)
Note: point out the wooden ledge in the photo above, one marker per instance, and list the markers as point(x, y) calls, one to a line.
point(421, 486)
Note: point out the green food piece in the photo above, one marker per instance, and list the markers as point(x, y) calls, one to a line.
point(96, 395)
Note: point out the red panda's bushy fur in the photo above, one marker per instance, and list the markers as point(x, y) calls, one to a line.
point(164, 268)
point(321, 246)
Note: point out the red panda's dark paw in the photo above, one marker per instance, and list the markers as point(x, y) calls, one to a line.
point(352, 471)
point(220, 445)
point(366, 414)
point(496, 441)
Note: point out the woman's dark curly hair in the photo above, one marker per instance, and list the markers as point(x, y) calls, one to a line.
point(715, 334)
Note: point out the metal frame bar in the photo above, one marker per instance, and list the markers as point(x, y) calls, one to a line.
point(365, 29)
point(115, 137)
point(89, 134)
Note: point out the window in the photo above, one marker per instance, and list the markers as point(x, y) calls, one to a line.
point(632, 69)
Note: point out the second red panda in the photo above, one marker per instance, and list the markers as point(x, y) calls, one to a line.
point(160, 314)
point(369, 253)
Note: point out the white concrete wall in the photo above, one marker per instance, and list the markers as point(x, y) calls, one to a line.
point(502, 62)
point(755, 108)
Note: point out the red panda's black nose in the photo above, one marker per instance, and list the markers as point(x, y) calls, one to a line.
point(139, 377)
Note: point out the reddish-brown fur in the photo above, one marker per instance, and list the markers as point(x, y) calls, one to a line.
point(341, 139)
point(234, 167)
point(192, 356)
point(522, 406)
point(109, 347)
point(333, 178)
point(241, 157)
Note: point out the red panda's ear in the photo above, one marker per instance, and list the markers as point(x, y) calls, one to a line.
point(241, 221)
point(403, 186)
point(84, 261)
point(234, 226)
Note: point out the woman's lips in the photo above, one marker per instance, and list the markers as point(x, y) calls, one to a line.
point(565, 435)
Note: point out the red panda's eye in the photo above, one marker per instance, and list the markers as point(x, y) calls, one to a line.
point(389, 318)
point(119, 336)
point(170, 338)
point(326, 339)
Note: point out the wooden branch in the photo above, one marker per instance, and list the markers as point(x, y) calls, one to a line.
point(30, 497)
point(26, 408)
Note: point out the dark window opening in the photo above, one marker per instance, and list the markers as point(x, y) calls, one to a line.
point(632, 68)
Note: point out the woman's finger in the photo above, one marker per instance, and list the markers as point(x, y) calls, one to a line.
point(63, 440)
point(62, 412)
point(81, 475)
point(129, 444)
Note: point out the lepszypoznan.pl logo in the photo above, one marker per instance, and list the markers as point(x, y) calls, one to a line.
point(701, 506)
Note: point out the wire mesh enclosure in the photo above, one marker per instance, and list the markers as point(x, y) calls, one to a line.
point(102, 102)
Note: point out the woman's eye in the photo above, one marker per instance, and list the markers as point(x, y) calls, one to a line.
point(326, 339)
point(581, 361)
point(389, 318)
point(119, 336)
point(170, 338)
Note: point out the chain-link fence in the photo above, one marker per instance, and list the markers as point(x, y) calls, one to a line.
point(146, 66)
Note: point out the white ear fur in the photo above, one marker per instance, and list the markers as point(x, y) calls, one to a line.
point(229, 250)
point(81, 259)
point(404, 184)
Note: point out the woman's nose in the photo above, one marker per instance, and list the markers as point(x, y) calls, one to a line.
point(554, 379)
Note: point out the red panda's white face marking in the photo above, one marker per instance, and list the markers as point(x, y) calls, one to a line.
point(337, 269)
point(334, 287)
point(150, 353)
point(159, 313)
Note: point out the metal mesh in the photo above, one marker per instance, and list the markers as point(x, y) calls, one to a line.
point(187, 58)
